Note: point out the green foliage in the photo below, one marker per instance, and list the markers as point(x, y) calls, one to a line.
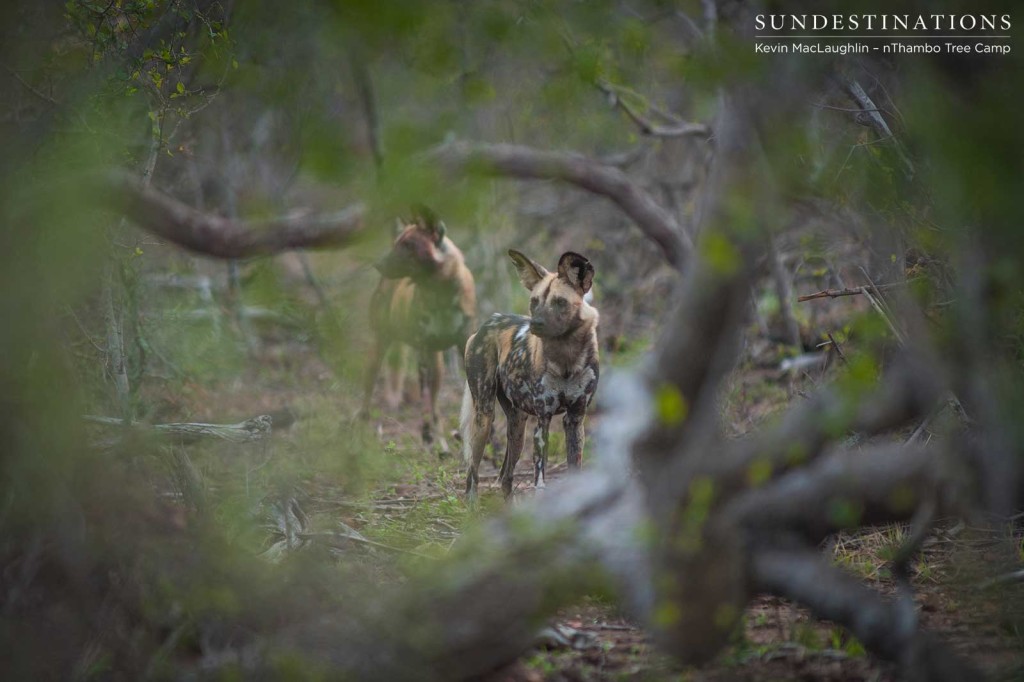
point(720, 253)
point(670, 405)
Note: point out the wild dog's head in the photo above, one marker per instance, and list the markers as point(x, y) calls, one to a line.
point(557, 300)
point(419, 249)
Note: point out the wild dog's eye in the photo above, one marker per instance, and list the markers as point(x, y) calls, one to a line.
point(533, 303)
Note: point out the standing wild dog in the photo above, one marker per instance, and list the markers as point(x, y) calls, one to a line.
point(542, 365)
point(426, 299)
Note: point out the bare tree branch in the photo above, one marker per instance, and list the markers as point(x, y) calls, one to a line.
point(523, 162)
point(843, 490)
point(908, 391)
point(877, 121)
point(849, 291)
point(211, 235)
point(675, 128)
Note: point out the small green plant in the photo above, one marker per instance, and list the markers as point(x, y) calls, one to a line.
point(542, 663)
point(841, 640)
point(807, 636)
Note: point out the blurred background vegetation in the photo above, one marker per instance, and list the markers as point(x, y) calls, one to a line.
point(126, 554)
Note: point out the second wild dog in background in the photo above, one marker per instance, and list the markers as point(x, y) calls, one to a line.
point(542, 365)
point(426, 299)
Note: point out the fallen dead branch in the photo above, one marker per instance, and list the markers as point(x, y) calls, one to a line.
point(249, 431)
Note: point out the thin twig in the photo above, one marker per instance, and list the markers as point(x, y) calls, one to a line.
point(858, 94)
point(879, 304)
point(839, 350)
point(677, 127)
point(849, 291)
point(831, 293)
point(848, 109)
point(41, 95)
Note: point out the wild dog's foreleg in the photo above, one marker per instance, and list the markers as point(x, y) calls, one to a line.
point(516, 429)
point(377, 352)
point(431, 369)
point(394, 377)
point(574, 438)
point(540, 450)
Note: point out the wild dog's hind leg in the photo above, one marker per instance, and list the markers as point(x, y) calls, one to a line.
point(574, 438)
point(516, 429)
point(377, 352)
point(540, 450)
point(478, 404)
point(482, 421)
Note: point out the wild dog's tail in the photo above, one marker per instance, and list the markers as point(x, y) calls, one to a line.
point(466, 424)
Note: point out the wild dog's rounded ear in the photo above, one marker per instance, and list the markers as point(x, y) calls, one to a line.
point(529, 272)
point(428, 220)
point(577, 270)
point(423, 214)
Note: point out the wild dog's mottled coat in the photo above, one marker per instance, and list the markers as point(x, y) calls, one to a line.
point(426, 299)
point(543, 365)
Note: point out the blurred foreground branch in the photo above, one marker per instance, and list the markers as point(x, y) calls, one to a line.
point(518, 161)
point(212, 235)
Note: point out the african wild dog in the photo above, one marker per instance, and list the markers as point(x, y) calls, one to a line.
point(541, 365)
point(426, 299)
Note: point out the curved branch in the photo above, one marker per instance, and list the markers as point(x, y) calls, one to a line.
point(887, 628)
point(676, 127)
point(908, 391)
point(846, 490)
point(212, 235)
point(524, 162)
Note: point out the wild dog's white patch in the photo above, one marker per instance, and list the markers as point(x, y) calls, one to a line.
point(567, 390)
point(523, 331)
point(466, 423)
point(538, 448)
